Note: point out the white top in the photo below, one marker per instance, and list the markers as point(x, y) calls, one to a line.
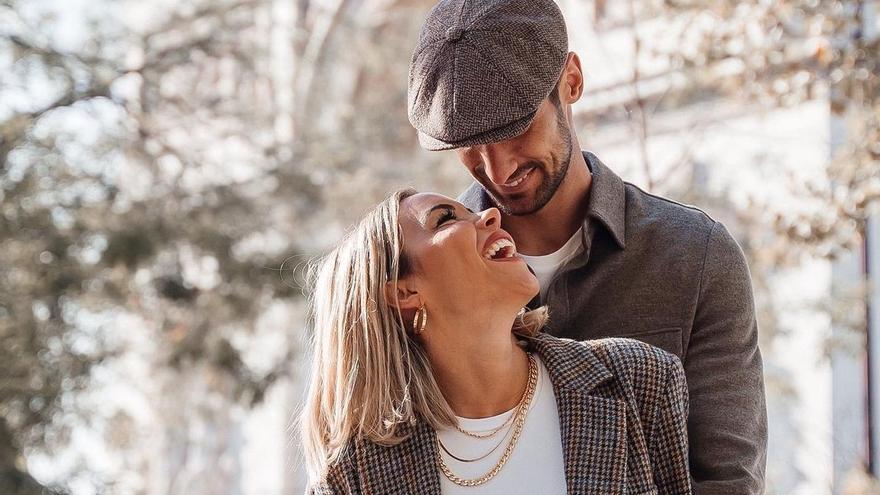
point(545, 266)
point(536, 464)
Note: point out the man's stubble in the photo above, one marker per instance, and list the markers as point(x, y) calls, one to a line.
point(552, 181)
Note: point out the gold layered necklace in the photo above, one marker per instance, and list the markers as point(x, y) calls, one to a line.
point(487, 454)
point(518, 423)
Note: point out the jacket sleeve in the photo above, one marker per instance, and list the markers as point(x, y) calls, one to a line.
point(728, 415)
point(668, 437)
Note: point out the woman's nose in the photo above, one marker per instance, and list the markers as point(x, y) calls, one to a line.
point(490, 218)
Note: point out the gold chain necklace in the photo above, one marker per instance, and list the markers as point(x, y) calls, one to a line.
point(521, 414)
point(487, 454)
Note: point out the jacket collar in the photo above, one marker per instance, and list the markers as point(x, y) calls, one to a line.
point(570, 364)
point(607, 201)
point(592, 429)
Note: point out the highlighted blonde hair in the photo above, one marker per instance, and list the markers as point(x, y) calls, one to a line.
point(370, 374)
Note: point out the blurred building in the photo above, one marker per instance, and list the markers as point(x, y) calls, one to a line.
point(856, 363)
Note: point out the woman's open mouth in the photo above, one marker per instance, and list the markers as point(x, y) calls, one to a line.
point(501, 249)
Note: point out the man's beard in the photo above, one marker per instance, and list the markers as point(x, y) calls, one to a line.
point(551, 182)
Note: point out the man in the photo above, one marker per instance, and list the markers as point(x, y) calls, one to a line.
point(494, 81)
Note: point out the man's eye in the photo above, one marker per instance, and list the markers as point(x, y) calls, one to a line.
point(445, 217)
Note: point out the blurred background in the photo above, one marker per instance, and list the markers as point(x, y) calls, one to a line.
point(166, 168)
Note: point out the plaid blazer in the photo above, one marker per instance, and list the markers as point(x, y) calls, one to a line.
point(622, 414)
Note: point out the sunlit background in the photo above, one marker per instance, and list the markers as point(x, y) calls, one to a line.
point(166, 168)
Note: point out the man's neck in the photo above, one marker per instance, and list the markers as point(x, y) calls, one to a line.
point(549, 228)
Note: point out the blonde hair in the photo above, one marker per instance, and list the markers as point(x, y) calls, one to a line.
point(369, 374)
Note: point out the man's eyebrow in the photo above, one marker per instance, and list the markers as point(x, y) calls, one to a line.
point(441, 206)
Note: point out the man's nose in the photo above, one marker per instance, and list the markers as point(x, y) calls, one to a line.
point(498, 162)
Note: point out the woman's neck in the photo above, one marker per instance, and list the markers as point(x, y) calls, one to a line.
point(481, 376)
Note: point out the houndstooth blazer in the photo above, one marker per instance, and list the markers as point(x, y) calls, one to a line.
point(622, 414)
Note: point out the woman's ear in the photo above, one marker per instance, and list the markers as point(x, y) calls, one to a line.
point(403, 294)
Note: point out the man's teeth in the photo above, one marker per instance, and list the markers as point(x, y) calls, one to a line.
point(518, 181)
point(498, 245)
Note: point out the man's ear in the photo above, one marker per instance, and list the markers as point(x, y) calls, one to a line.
point(402, 295)
point(572, 82)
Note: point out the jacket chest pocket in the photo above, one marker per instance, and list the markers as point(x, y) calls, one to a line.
point(668, 339)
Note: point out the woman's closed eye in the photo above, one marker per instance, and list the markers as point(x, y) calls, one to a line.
point(448, 214)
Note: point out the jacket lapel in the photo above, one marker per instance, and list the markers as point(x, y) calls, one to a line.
point(593, 428)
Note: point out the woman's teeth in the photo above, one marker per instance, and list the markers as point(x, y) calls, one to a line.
point(499, 245)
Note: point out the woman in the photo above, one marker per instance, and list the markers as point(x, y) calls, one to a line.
point(429, 377)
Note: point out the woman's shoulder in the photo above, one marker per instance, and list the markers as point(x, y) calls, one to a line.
point(627, 360)
point(648, 374)
point(612, 350)
point(630, 352)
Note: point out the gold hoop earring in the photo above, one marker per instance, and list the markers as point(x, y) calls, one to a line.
point(420, 319)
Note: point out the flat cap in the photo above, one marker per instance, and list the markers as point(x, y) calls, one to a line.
point(481, 69)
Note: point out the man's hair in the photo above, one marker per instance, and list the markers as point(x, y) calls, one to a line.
point(554, 97)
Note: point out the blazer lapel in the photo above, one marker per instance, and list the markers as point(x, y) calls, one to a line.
point(593, 428)
point(593, 433)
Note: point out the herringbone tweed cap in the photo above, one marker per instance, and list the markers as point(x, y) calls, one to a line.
point(482, 68)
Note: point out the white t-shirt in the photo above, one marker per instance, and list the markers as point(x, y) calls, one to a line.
point(545, 266)
point(536, 464)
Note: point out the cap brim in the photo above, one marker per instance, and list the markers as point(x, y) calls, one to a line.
point(498, 134)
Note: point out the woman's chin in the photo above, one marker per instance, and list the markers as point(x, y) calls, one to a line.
point(530, 284)
point(524, 288)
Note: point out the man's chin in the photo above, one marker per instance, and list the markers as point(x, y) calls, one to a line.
point(517, 205)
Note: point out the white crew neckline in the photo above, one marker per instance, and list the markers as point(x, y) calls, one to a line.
point(552, 260)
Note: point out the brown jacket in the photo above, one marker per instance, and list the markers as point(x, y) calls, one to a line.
point(622, 413)
point(671, 276)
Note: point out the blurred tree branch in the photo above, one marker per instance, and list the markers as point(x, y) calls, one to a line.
point(776, 54)
point(181, 205)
